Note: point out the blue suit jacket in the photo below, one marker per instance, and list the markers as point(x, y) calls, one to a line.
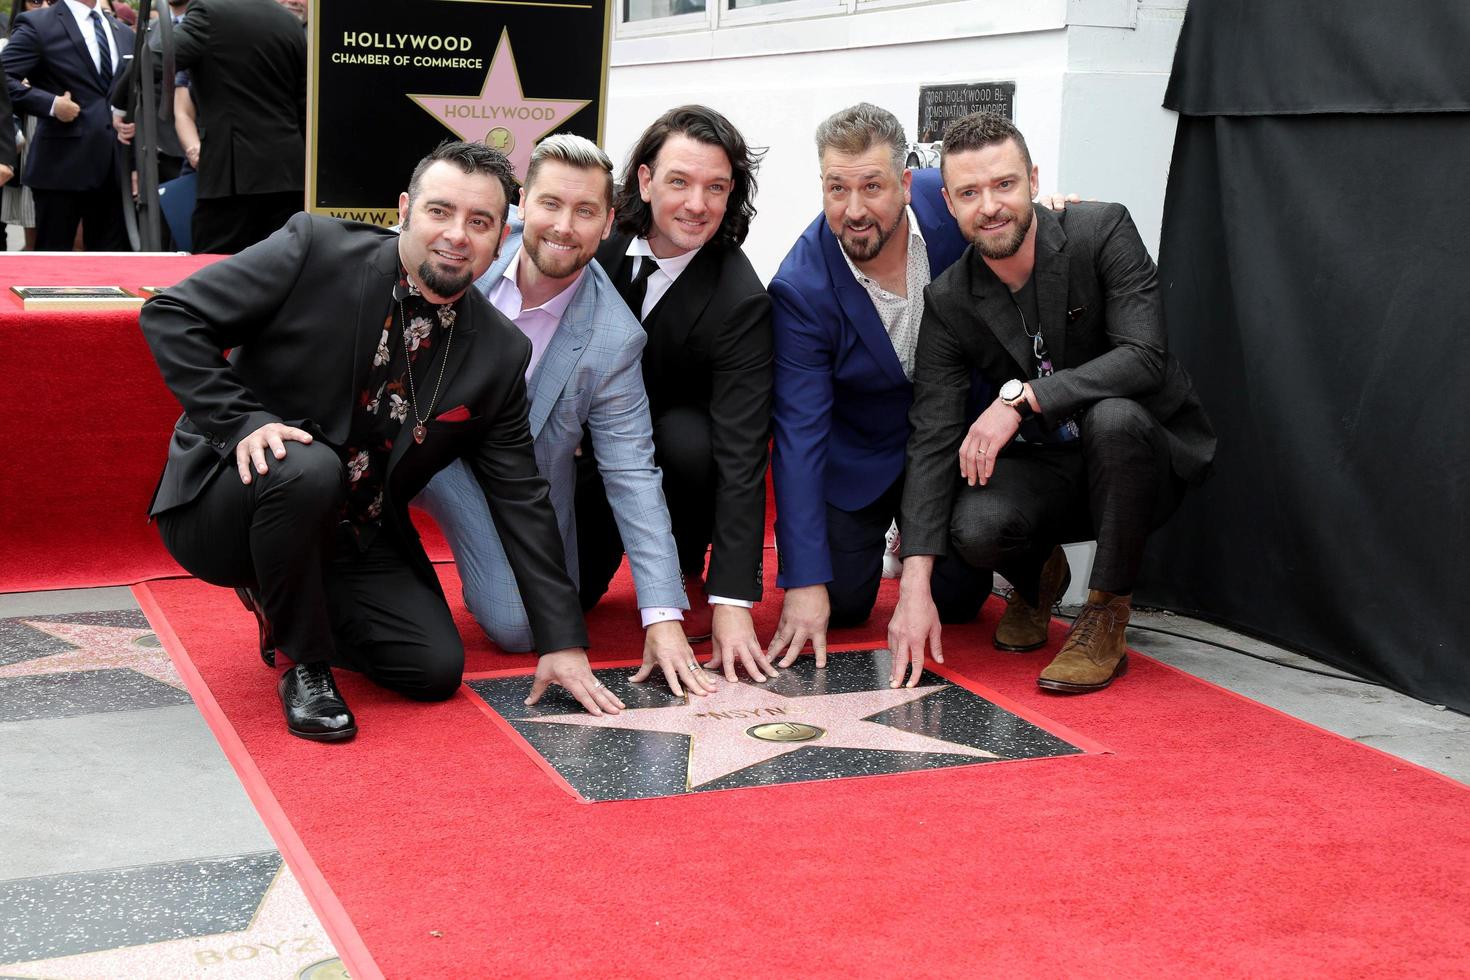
point(841, 399)
point(46, 50)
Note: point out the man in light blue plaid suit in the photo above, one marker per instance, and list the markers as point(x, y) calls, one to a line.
point(585, 370)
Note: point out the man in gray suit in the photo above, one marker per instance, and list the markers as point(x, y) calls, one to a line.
point(584, 370)
point(1096, 430)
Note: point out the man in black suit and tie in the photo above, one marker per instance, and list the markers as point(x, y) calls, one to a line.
point(361, 364)
point(60, 64)
point(247, 67)
point(1096, 430)
point(683, 209)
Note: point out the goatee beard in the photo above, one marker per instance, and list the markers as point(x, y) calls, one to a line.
point(862, 253)
point(443, 283)
point(1008, 246)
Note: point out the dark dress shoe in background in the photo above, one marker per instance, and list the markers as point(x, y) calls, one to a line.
point(251, 602)
point(314, 707)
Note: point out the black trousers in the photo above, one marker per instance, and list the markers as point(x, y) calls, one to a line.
point(226, 225)
point(1115, 484)
point(329, 599)
point(684, 452)
point(98, 211)
point(857, 540)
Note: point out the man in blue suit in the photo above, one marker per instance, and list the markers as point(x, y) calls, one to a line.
point(847, 302)
point(60, 64)
point(585, 369)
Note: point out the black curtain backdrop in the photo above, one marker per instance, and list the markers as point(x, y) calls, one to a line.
point(1315, 259)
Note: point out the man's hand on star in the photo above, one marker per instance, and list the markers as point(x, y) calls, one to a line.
point(666, 647)
point(570, 669)
point(805, 611)
point(734, 642)
point(915, 621)
point(992, 431)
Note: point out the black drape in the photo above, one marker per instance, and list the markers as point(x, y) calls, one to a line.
point(1316, 272)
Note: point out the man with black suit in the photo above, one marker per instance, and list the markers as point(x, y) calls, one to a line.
point(683, 209)
point(362, 363)
point(247, 67)
point(60, 64)
point(1095, 431)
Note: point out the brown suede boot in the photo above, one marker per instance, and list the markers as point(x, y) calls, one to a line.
point(1096, 650)
point(1023, 626)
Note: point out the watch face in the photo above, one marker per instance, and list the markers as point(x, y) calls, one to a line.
point(1011, 390)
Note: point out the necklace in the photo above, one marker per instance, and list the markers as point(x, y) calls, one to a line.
point(419, 432)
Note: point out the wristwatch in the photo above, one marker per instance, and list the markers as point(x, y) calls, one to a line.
point(1013, 393)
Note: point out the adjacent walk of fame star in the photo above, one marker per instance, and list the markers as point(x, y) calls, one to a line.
point(98, 648)
point(282, 940)
point(743, 725)
point(501, 116)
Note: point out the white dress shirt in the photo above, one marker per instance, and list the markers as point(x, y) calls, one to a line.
point(87, 26)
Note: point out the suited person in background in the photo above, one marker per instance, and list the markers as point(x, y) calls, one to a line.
point(683, 209)
point(584, 371)
point(247, 66)
point(60, 64)
point(1095, 430)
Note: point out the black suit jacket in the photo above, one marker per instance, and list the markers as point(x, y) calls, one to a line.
point(709, 347)
point(1102, 318)
point(47, 51)
point(302, 313)
point(247, 69)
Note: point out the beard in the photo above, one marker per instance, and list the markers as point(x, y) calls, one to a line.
point(861, 250)
point(553, 265)
point(442, 282)
point(1005, 247)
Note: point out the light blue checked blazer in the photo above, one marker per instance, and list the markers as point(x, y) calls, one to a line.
point(590, 373)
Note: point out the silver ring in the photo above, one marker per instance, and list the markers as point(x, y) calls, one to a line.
point(597, 685)
point(980, 451)
point(694, 665)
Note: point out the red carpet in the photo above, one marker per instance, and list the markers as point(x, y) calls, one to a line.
point(1218, 838)
point(85, 442)
point(88, 432)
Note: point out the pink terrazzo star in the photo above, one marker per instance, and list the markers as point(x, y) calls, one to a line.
point(501, 116)
point(98, 648)
point(720, 726)
point(282, 940)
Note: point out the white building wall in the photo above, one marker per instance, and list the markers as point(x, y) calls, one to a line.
point(1090, 78)
point(1087, 97)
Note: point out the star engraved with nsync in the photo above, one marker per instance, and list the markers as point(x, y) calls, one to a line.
point(750, 725)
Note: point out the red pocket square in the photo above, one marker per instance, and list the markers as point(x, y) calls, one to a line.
point(454, 415)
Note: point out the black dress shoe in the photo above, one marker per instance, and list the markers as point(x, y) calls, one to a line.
point(314, 708)
point(251, 601)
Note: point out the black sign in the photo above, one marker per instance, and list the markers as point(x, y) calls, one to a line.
point(939, 105)
point(390, 79)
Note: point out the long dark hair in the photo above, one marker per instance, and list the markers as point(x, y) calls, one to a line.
point(703, 125)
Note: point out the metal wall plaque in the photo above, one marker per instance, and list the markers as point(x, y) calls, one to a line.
point(388, 82)
point(939, 105)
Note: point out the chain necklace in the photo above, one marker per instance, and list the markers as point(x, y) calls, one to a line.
point(419, 432)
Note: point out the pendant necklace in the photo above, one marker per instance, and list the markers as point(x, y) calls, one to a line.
point(446, 319)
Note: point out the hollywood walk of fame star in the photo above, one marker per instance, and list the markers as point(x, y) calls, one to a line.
point(721, 727)
point(283, 938)
point(501, 116)
point(97, 648)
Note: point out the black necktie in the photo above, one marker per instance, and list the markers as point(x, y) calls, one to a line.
point(636, 288)
point(104, 53)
